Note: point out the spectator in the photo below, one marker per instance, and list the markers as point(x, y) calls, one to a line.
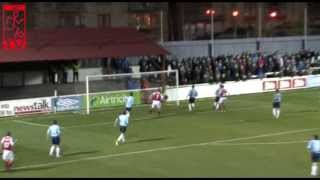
point(75, 69)
point(65, 73)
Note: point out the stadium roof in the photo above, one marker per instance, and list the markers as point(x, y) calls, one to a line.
point(82, 43)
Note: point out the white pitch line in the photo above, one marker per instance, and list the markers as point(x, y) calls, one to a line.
point(163, 149)
point(30, 123)
point(262, 143)
point(84, 125)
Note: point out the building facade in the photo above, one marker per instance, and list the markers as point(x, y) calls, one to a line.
point(180, 21)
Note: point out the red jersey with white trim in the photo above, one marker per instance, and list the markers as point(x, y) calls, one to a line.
point(7, 143)
point(156, 96)
point(222, 92)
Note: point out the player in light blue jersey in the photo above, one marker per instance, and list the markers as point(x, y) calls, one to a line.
point(314, 149)
point(277, 97)
point(192, 98)
point(54, 133)
point(122, 121)
point(129, 103)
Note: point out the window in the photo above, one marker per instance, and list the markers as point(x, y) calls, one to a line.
point(70, 20)
point(145, 20)
point(104, 20)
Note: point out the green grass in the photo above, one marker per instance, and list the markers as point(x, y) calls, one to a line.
point(170, 145)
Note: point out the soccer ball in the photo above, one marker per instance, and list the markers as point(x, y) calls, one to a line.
point(165, 97)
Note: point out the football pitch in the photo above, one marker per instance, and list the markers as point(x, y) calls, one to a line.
point(245, 141)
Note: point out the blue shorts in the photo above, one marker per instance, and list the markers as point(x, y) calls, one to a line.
point(55, 140)
point(315, 157)
point(276, 105)
point(123, 129)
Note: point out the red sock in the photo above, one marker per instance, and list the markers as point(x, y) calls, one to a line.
point(6, 164)
point(10, 164)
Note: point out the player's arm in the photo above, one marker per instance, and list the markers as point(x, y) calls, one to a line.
point(48, 132)
point(309, 145)
point(12, 144)
point(126, 100)
point(188, 94)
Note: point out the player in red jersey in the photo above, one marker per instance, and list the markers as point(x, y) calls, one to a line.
point(156, 101)
point(7, 151)
point(222, 97)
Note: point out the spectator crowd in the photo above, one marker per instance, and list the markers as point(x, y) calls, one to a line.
point(236, 67)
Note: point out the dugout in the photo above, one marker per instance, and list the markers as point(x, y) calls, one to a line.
point(25, 72)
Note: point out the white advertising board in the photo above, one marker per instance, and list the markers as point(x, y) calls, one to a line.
point(6, 109)
point(37, 105)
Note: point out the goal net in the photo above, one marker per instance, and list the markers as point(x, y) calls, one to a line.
point(110, 90)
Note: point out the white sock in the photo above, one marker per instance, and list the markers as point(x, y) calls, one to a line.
point(51, 150)
point(278, 113)
point(120, 137)
point(314, 169)
point(123, 139)
point(128, 113)
point(217, 106)
point(190, 108)
point(58, 151)
point(193, 105)
point(274, 113)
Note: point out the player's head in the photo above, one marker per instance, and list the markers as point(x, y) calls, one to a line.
point(221, 86)
point(131, 93)
point(124, 112)
point(277, 90)
point(55, 122)
point(315, 137)
point(8, 133)
point(192, 86)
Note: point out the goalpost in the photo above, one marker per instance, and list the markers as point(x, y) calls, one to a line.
point(110, 90)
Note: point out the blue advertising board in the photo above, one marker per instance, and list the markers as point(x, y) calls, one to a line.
point(67, 103)
point(313, 81)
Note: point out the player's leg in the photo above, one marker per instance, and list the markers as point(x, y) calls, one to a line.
point(159, 107)
point(193, 103)
point(121, 136)
point(278, 112)
point(152, 106)
point(57, 146)
point(223, 107)
point(220, 104)
point(4, 158)
point(128, 109)
point(189, 105)
point(6, 165)
point(57, 151)
point(217, 104)
point(52, 148)
point(274, 112)
point(10, 160)
point(314, 167)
